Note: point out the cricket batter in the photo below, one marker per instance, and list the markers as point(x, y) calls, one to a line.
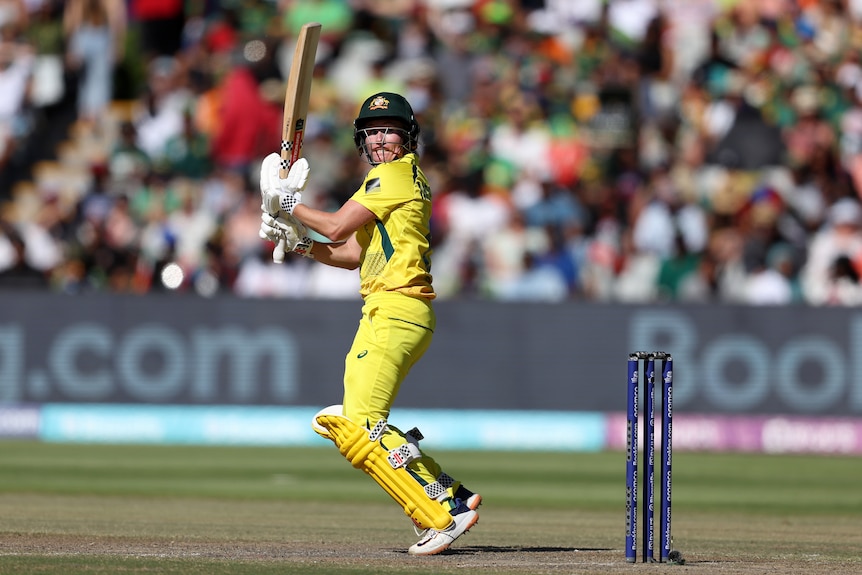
point(383, 229)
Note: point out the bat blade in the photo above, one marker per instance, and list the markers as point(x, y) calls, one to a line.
point(296, 105)
point(297, 95)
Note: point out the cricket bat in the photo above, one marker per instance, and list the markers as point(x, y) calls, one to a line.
point(296, 105)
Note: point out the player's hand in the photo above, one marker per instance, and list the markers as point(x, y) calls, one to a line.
point(288, 234)
point(282, 195)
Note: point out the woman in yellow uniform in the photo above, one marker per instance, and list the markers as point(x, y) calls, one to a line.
point(383, 229)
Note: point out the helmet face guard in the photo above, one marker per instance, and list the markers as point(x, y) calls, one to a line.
point(360, 135)
point(390, 106)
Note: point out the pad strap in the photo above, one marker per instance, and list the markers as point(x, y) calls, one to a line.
point(403, 454)
point(377, 430)
point(439, 489)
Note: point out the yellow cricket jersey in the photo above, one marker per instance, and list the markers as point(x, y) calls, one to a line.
point(396, 250)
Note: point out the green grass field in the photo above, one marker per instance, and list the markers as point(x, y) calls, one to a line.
point(106, 509)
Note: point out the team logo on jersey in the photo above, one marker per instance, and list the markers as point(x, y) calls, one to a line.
point(379, 103)
point(372, 185)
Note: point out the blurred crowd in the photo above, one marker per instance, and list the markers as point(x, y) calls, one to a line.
point(604, 150)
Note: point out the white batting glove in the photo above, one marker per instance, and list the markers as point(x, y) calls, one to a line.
point(288, 234)
point(282, 195)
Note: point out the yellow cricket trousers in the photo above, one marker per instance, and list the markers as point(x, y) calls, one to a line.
point(394, 332)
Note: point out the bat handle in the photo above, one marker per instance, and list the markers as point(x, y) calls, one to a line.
point(278, 252)
point(286, 162)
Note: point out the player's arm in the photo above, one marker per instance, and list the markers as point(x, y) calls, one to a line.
point(337, 226)
point(339, 251)
point(283, 197)
point(340, 227)
point(293, 236)
point(338, 254)
point(283, 207)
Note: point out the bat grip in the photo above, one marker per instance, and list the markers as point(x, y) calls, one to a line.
point(278, 252)
point(286, 162)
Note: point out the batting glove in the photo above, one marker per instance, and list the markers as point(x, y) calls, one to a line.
point(282, 195)
point(288, 235)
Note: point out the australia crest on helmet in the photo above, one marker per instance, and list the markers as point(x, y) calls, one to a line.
point(378, 103)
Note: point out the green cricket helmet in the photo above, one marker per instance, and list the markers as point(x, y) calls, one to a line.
point(391, 106)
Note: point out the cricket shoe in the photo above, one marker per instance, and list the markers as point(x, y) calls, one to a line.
point(470, 499)
point(436, 541)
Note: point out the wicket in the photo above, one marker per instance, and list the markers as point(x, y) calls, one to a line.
point(649, 360)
